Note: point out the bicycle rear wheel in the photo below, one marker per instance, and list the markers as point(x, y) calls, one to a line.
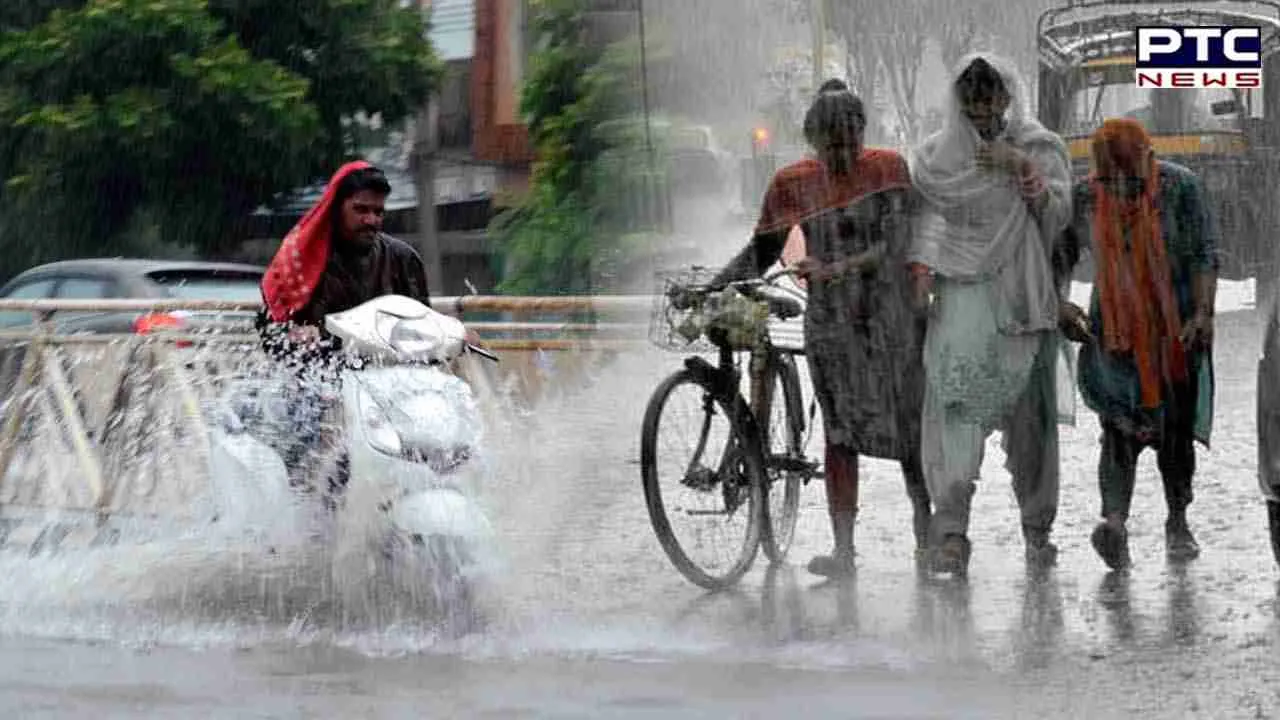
point(718, 488)
point(781, 419)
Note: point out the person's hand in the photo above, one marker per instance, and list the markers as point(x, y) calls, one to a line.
point(1000, 155)
point(1074, 323)
point(1197, 333)
point(472, 337)
point(810, 268)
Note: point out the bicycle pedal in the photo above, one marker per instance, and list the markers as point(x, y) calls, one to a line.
point(701, 479)
point(790, 464)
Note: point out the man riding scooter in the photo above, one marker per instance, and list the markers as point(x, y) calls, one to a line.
point(334, 259)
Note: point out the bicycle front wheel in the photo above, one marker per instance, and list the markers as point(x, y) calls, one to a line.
point(781, 419)
point(703, 481)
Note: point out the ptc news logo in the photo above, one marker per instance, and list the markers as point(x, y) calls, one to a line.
point(1199, 57)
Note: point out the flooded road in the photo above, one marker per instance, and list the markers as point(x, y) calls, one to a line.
point(588, 619)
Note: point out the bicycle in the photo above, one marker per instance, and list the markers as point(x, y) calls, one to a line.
point(758, 474)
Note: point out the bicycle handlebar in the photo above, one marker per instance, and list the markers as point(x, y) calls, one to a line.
point(695, 290)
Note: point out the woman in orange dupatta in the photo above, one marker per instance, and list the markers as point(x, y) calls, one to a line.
point(1145, 363)
point(863, 333)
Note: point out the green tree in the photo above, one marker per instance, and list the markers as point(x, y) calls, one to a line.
point(554, 239)
point(24, 14)
point(186, 112)
point(369, 56)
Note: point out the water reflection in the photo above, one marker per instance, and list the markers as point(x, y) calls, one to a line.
point(846, 603)
point(943, 616)
point(1183, 622)
point(734, 603)
point(792, 613)
point(782, 606)
point(1115, 597)
point(940, 619)
point(1040, 630)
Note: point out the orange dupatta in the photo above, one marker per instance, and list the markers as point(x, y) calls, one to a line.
point(1135, 288)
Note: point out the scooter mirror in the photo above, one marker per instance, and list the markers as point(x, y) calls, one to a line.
point(482, 352)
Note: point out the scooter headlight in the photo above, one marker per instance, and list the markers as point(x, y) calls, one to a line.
point(418, 430)
point(379, 428)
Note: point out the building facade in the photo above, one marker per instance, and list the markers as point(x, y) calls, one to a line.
point(482, 152)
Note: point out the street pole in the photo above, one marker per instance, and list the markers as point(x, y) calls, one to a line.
point(664, 192)
point(644, 84)
point(425, 145)
point(818, 24)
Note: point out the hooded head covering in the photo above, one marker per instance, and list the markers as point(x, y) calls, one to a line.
point(943, 167)
point(1135, 290)
point(298, 265)
point(975, 222)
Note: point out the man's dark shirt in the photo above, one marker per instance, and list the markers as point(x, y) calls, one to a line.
point(354, 275)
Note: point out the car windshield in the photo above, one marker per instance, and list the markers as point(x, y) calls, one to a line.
point(1162, 111)
point(209, 286)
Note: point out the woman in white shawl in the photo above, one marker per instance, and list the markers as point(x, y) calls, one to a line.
point(996, 191)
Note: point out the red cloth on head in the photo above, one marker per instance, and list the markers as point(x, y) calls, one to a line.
point(296, 269)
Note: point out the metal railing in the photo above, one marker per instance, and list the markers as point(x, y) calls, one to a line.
point(573, 333)
point(451, 305)
point(50, 384)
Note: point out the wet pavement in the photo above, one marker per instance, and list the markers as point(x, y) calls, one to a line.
point(590, 620)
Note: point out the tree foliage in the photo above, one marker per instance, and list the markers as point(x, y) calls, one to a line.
point(552, 239)
point(23, 14)
point(186, 112)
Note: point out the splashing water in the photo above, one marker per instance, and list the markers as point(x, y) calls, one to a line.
point(204, 539)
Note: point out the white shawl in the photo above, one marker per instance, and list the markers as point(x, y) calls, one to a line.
point(974, 224)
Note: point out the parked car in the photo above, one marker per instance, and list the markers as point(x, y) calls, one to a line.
point(135, 279)
point(1268, 412)
point(101, 279)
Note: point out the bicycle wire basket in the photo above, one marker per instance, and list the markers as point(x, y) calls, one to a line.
point(685, 317)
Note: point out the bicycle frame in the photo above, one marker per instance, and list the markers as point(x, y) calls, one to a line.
point(725, 378)
point(752, 467)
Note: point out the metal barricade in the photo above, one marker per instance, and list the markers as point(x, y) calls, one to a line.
point(78, 400)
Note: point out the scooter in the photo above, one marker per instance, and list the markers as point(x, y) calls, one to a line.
point(412, 432)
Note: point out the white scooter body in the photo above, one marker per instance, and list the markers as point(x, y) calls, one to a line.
point(412, 430)
point(412, 426)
